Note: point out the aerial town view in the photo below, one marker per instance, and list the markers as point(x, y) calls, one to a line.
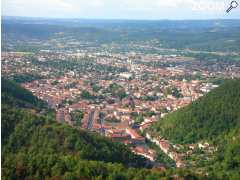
point(120, 99)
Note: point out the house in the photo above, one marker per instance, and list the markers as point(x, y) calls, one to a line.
point(136, 138)
point(147, 153)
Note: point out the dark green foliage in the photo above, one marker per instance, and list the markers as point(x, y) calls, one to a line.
point(86, 95)
point(37, 147)
point(216, 118)
point(139, 119)
point(8, 123)
point(117, 91)
point(226, 165)
point(96, 88)
point(67, 167)
point(22, 78)
point(213, 114)
point(77, 117)
point(44, 135)
point(161, 156)
point(15, 95)
point(176, 93)
point(172, 91)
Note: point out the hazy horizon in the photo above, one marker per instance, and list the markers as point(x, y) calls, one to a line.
point(124, 10)
point(110, 19)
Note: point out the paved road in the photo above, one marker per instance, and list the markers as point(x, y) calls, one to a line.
point(90, 120)
point(102, 124)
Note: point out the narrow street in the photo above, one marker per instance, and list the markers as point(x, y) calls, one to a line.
point(90, 120)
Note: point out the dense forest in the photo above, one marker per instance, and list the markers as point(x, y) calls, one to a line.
point(35, 146)
point(213, 114)
point(15, 95)
point(215, 118)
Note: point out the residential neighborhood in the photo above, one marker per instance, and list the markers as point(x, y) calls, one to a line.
point(121, 95)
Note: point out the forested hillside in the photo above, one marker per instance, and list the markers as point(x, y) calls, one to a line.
point(214, 118)
point(15, 95)
point(36, 147)
point(214, 114)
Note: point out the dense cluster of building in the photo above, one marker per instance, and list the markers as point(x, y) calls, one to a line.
point(150, 92)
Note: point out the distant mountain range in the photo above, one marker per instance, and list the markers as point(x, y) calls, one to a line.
point(208, 35)
point(123, 23)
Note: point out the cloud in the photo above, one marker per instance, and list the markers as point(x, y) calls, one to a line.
point(62, 4)
point(212, 6)
point(97, 3)
point(138, 9)
point(193, 5)
point(40, 5)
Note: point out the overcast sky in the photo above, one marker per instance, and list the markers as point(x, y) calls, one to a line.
point(120, 9)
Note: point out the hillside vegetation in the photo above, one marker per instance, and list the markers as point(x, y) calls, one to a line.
point(214, 114)
point(17, 96)
point(214, 118)
point(34, 146)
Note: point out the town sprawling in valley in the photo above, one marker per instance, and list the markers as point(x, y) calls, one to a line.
point(157, 96)
point(119, 95)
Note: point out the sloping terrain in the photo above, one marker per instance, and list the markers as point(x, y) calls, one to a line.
point(36, 147)
point(214, 118)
